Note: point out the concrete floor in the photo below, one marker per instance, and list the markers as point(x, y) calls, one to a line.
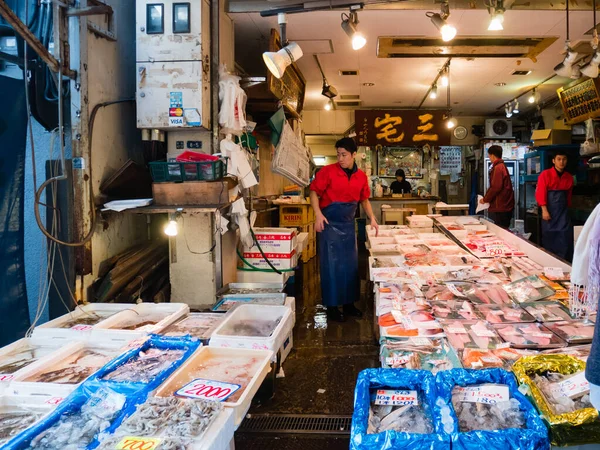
point(326, 356)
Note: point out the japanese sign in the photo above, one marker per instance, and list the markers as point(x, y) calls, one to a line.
point(485, 393)
point(401, 127)
point(450, 160)
point(396, 398)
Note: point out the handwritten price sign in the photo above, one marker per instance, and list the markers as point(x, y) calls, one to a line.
point(490, 394)
point(397, 360)
point(575, 386)
point(396, 398)
point(495, 249)
point(138, 443)
point(208, 390)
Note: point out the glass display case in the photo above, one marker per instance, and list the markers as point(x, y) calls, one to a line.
point(409, 159)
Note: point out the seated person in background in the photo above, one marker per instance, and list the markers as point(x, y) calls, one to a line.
point(400, 186)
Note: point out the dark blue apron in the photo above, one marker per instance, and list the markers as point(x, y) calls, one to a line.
point(338, 256)
point(557, 233)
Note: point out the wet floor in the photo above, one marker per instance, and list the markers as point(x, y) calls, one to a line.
point(321, 370)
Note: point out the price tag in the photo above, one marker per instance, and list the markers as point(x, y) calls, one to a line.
point(426, 342)
point(208, 390)
point(441, 309)
point(415, 289)
point(571, 387)
point(490, 394)
point(482, 332)
point(138, 443)
point(455, 290)
point(397, 360)
point(54, 400)
point(554, 272)
point(408, 323)
point(503, 346)
point(495, 249)
point(81, 327)
point(541, 335)
point(396, 398)
point(496, 312)
point(457, 330)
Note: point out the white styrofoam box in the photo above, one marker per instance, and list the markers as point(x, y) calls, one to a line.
point(182, 376)
point(381, 240)
point(110, 330)
point(419, 222)
point(290, 302)
point(420, 230)
point(279, 260)
point(398, 260)
point(254, 276)
point(287, 346)
point(66, 327)
point(477, 228)
point(13, 404)
point(274, 240)
point(219, 434)
point(20, 351)
point(302, 242)
point(432, 237)
point(245, 313)
point(24, 384)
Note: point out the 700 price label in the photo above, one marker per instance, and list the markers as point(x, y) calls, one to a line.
point(138, 443)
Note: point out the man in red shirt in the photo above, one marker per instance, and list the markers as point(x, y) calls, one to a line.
point(553, 193)
point(335, 194)
point(500, 194)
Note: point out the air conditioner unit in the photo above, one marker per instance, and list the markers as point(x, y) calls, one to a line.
point(498, 129)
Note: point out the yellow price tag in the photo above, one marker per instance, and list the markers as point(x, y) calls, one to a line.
point(138, 443)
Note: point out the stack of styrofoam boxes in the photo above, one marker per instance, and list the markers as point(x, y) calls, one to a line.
point(278, 245)
point(420, 224)
point(301, 216)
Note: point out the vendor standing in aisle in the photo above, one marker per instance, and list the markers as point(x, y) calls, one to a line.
point(553, 193)
point(335, 194)
point(500, 194)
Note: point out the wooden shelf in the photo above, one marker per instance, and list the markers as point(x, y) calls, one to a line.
point(162, 209)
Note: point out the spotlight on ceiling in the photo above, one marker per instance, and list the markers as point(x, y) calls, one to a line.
point(508, 110)
point(328, 105)
point(567, 67)
point(516, 107)
point(496, 10)
point(433, 92)
point(591, 68)
point(532, 97)
point(447, 31)
point(349, 25)
point(278, 61)
point(450, 123)
point(329, 91)
point(444, 78)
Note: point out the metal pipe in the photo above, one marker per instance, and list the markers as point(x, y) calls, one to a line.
point(214, 72)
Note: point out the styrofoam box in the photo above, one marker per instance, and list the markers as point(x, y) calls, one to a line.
point(255, 312)
point(254, 276)
point(420, 230)
point(21, 386)
point(241, 406)
point(38, 347)
point(381, 240)
point(290, 302)
point(287, 346)
point(109, 329)
point(54, 329)
point(219, 434)
point(274, 240)
point(398, 260)
point(18, 403)
point(279, 260)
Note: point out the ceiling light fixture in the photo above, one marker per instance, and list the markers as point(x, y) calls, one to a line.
point(291, 52)
point(451, 122)
point(349, 25)
point(508, 110)
point(591, 68)
point(516, 107)
point(328, 105)
point(496, 10)
point(447, 31)
point(445, 79)
point(328, 90)
point(532, 97)
point(433, 92)
point(567, 67)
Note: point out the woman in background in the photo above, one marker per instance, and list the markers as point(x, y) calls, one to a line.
point(401, 186)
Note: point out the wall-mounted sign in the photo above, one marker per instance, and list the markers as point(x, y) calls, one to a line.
point(393, 128)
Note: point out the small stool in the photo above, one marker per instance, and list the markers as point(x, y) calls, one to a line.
point(404, 211)
point(463, 209)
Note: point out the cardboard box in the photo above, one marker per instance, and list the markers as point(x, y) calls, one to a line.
point(542, 138)
point(279, 260)
point(274, 240)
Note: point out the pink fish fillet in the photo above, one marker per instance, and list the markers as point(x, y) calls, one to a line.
point(503, 294)
point(481, 342)
point(539, 340)
point(492, 318)
point(455, 340)
point(494, 295)
point(481, 296)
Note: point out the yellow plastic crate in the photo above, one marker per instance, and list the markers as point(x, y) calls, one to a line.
point(295, 215)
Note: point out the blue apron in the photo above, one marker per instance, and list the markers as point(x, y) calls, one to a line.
point(557, 233)
point(338, 256)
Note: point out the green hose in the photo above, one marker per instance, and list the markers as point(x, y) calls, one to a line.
point(256, 269)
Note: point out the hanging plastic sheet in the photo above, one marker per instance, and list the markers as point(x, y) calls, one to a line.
point(14, 310)
point(574, 428)
point(533, 437)
point(371, 380)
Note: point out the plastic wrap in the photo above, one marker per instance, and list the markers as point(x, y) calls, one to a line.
point(490, 294)
point(573, 331)
point(528, 289)
point(418, 380)
point(547, 311)
point(533, 437)
point(199, 325)
point(504, 314)
point(529, 335)
point(455, 310)
point(576, 428)
point(470, 334)
point(419, 353)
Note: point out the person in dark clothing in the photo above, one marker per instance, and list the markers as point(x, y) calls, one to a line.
point(401, 186)
point(500, 194)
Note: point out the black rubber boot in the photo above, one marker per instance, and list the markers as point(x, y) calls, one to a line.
point(334, 314)
point(351, 310)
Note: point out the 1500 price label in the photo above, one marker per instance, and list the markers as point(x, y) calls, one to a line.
point(490, 394)
point(208, 390)
point(396, 398)
point(138, 443)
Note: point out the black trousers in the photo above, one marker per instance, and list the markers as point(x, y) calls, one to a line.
point(502, 219)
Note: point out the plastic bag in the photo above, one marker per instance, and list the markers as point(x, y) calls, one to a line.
point(416, 380)
point(232, 100)
point(533, 437)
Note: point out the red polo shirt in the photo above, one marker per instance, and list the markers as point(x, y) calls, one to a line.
point(550, 181)
point(332, 185)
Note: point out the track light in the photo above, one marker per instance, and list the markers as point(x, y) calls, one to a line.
point(328, 91)
point(508, 110)
point(567, 68)
point(433, 92)
point(497, 21)
point(277, 62)
point(531, 98)
point(328, 105)
point(591, 68)
point(450, 123)
point(349, 25)
point(444, 79)
point(447, 31)
point(516, 107)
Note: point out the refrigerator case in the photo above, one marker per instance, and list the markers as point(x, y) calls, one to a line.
point(513, 167)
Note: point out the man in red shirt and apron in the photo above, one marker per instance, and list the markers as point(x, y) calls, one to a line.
point(553, 193)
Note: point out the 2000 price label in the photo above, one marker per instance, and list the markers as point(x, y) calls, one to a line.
point(138, 443)
point(208, 390)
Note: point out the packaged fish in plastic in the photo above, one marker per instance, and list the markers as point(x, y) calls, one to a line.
point(418, 323)
point(448, 291)
point(470, 334)
point(529, 335)
point(547, 311)
point(250, 327)
point(146, 365)
point(432, 355)
point(581, 352)
point(80, 421)
point(407, 418)
point(489, 294)
point(199, 325)
point(528, 289)
point(15, 421)
point(564, 393)
point(512, 355)
point(387, 262)
point(504, 314)
point(176, 423)
point(573, 331)
point(21, 354)
point(474, 358)
point(141, 321)
point(455, 309)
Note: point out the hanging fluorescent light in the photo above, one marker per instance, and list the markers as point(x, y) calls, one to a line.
point(433, 92)
point(447, 31)
point(531, 98)
point(278, 61)
point(516, 107)
point(349, 25)
point(591, 68)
